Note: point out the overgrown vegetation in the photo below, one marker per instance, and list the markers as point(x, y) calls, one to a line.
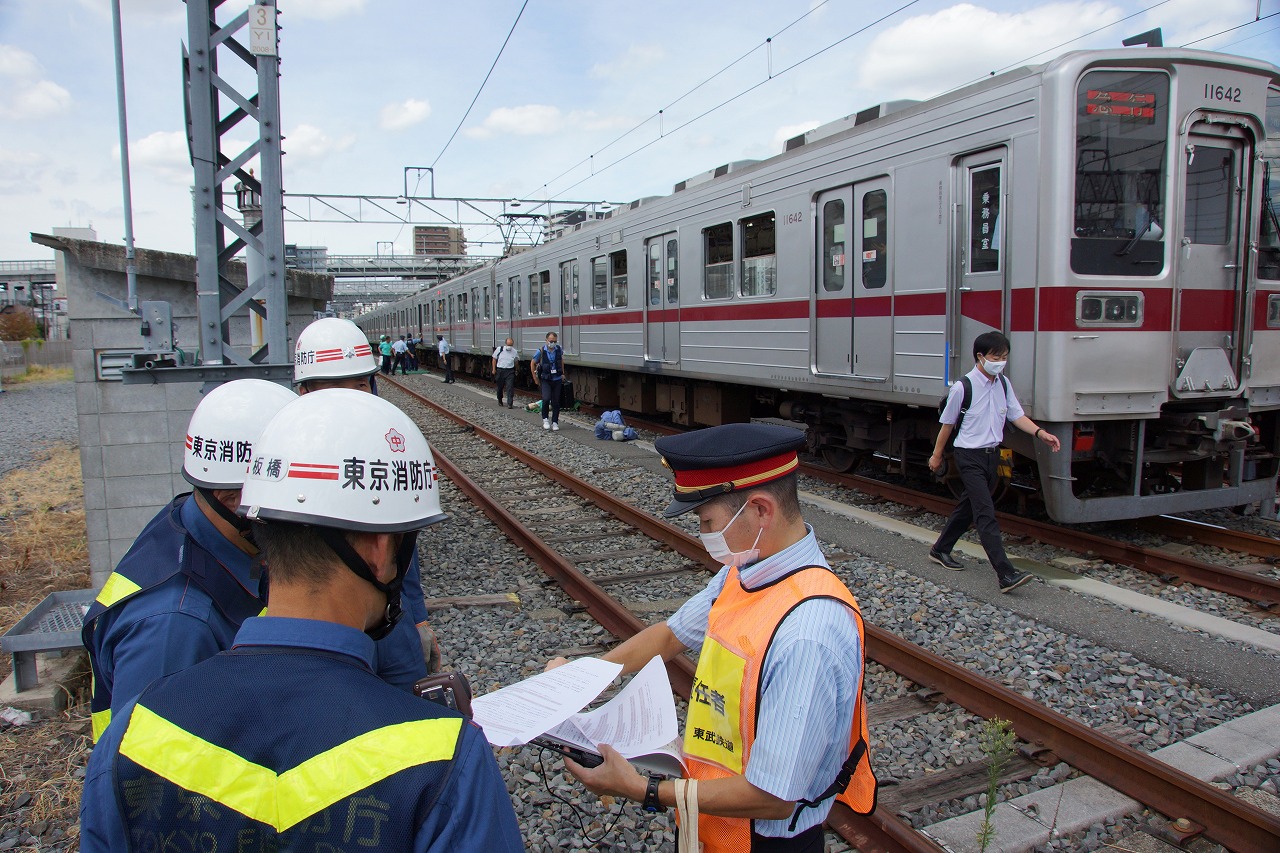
point(40, 373)
point(43, 549)
point(996, 742)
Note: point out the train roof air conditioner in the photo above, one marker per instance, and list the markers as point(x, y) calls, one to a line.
point(711, 175)
point(842, 124)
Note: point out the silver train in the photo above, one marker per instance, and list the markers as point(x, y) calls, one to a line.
point(1113, 212)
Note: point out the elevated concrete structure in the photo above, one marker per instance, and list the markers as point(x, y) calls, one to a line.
point(131, 436)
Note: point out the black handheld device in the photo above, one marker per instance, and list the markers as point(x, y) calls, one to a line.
point(586, 759)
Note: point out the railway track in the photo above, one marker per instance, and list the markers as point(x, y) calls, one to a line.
point(568, 557)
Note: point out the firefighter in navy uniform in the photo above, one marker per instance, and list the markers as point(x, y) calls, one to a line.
point(334, 353)
point(192, 576)
point(289, 741)
point(776, 729)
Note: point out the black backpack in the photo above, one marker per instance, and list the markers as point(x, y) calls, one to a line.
point(964, 404)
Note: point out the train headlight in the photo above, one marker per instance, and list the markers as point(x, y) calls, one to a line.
point(1108, 309)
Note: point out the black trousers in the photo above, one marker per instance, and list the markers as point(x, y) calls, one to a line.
point(551, 399)
point(446, 362)
point(979, 469)
point(506, 383)
point(809, 841)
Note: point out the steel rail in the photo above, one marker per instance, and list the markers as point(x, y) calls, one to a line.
point(1227, 820)
point(876, 831)
point(1263, 590)
point(1266, 547)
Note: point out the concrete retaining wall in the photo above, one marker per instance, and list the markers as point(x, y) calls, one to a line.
point(131, 436)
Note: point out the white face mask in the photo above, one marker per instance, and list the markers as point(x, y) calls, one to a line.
point(718, 548)
point(995, 368)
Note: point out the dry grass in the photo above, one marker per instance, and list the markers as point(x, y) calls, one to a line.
point(43, 549)
point(40, 373)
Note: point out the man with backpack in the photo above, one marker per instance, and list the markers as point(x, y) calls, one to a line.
point(976, 410)
point(547, 367)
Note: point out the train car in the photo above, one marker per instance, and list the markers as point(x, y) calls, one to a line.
point(1113, 212)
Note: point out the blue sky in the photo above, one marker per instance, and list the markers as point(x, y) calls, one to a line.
point(372, 86)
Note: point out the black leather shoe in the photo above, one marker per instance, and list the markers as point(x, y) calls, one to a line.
point(1014, 581)
point(946, 561)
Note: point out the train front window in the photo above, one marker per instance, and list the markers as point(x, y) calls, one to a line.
point(1122, 130)
point(759, 257)
point(1269, 229)
point(1210, 181)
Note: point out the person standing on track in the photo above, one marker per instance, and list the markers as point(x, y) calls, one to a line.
point(446, 357)
point(504, 371)
point(547, 369)
point(981, 403)
point(193, 575)
point(288, 740)
point(333, 353)
point(400, 351)
point(776, 727)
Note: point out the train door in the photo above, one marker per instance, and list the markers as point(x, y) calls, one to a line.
point(569, 307)
point(977, 302)
point(833, 327)
point(662, 299)
point(872, 288)
point(1210, 272)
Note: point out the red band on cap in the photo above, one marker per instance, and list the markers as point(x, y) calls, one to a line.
point(741, 476)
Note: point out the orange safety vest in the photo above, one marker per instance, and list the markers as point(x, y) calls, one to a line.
point(721, 722)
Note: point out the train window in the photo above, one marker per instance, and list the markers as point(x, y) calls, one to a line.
point(500, 314)
point(1269, 229)
point(566, 285)
point(833, 247)
point(545, 275)
point(487, 307)
point(575, 287)
point(984, 219)
point(655, 272)
point(1273, 311)
point(1108, 308)
point(759, 256)
point(600, 282)
point(1210, 180)
point(875, 239)
point(1121, 137)
point(618, 279)
point(535, 293)
point(673, 277)
point(717, 244)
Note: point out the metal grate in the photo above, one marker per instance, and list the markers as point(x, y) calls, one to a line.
point(63, 617)
point(53, 625)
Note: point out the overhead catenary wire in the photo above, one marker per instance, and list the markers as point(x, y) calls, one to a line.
point(1231, 29)
point(483, 82)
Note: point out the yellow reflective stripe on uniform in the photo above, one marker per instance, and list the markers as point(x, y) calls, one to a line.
point(282, 800)
point(116, 588)
point(99, 720)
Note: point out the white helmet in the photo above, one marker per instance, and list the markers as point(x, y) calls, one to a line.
point(332, 348)
point(344, 459)
point(223, 429)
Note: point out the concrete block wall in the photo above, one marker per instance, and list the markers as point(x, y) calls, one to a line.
point(131, 436)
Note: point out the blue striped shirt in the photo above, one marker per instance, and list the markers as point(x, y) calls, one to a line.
point(809, 684)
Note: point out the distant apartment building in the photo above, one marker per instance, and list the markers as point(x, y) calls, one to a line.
point(438, 240)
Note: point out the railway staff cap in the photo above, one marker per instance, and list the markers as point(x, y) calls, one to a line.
point(718, 460)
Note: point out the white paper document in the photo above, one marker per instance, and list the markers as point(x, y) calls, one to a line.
point(516, 714)
point(640, 722)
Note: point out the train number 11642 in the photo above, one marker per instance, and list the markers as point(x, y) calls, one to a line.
point(1221, 93)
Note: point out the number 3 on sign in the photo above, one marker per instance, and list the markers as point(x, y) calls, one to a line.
point(262, 30)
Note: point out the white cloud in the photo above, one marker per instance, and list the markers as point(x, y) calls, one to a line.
point(404, 114)
point(326, 9)
point(19, 170)
point(24, 93)
point(638, 58)
point(964, 42)
point(308, 143)
point(528, 120)
point(163, 154)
